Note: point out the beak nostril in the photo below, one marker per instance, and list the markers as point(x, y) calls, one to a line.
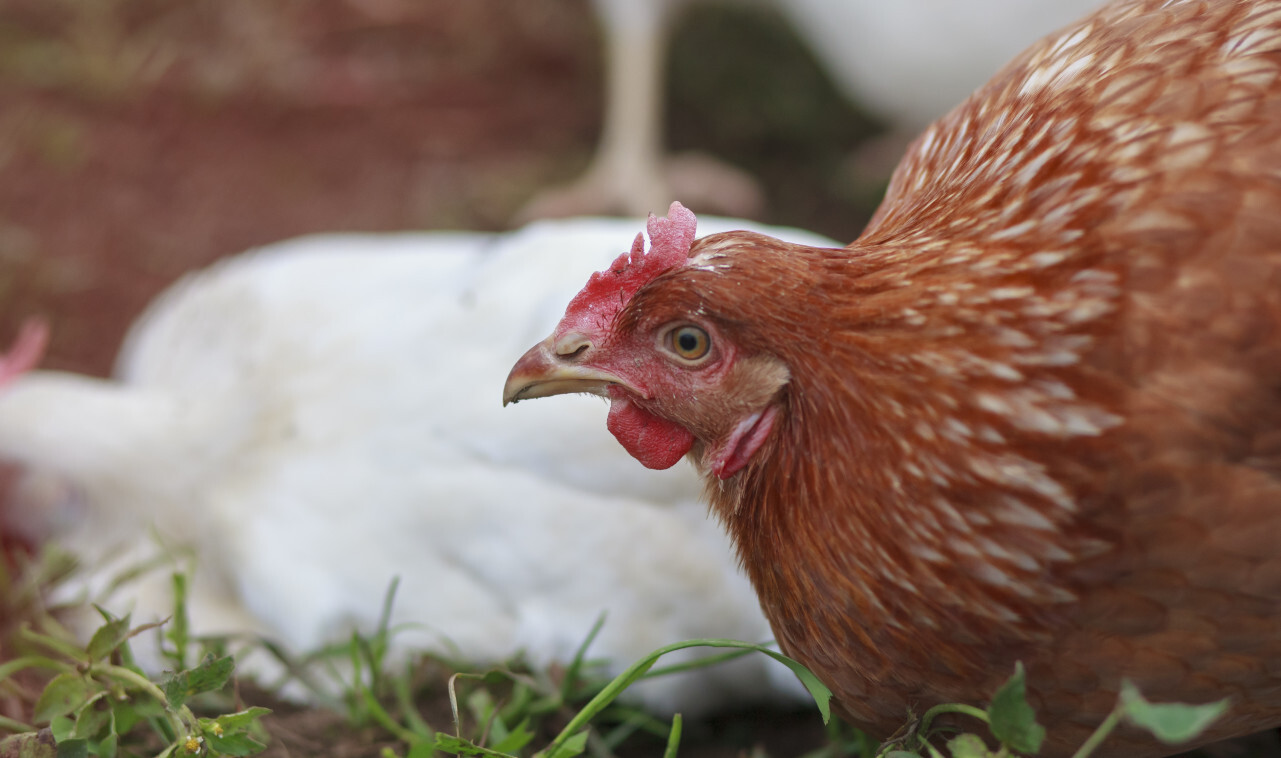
point(558, 367)
point(572, 346)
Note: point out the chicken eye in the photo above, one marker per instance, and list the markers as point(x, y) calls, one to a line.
point(690, 342)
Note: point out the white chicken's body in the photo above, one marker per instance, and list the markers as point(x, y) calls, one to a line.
point(320, 416)
point(911, 61)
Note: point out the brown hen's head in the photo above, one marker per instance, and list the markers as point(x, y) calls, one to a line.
point(661, 334)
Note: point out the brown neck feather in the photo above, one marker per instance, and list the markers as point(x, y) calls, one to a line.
point(914, 464)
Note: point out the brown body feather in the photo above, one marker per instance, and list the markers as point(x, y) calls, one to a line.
point(1034, 412)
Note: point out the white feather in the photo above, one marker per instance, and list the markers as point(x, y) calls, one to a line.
point(319, 416)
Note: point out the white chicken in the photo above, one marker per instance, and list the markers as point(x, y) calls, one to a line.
point(906, 61)
point(322, 415)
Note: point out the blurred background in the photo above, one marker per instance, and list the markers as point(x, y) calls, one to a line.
point(142, 138)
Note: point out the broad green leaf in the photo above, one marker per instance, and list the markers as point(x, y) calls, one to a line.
point(147, 708)
point(448, 743)
point(571, 747)
point(63, 694)
point(73, 749)
point(176, 688)
point(107, 747)
point(1171, 723)
point(61, 727)
point(212, 674)
point(423, 749)
point(107, 638)
point(126, 714)
point(235, 738)
point(1013, 721)
point(237, 744)
point(232, 722)
point(480, 704)
point(209, 676)
point(968, 746)
point(90, 719)
point(901, 754)
point(515, 739)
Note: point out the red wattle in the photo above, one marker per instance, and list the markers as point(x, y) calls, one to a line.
point(654, 441)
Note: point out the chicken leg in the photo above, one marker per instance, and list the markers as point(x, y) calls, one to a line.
point(629, 173)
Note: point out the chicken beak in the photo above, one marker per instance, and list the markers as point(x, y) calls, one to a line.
point(547, 369)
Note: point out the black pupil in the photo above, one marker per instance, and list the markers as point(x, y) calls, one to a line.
point(688, 342)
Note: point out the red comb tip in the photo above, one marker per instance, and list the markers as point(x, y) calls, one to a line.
point(670, 238)
point(27, 350)
point(606, 291)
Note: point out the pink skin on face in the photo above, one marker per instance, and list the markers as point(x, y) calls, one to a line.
point(655, 441)
point(743, 443)
point(659, 443)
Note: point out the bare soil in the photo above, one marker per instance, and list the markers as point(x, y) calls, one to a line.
point(144, 139)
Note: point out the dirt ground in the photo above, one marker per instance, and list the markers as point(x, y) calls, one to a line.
point(140, 139)
point(297, 731)
point(206, 128)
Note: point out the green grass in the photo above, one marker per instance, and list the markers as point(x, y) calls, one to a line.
point(1012, 722)
point(92, 699)
point(503, 710)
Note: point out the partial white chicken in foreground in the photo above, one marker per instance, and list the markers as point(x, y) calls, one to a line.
point(320, 416)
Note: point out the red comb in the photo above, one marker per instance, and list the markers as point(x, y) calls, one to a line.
point(606, 291)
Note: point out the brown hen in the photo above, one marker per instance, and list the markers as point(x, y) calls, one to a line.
point(1033, 413)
